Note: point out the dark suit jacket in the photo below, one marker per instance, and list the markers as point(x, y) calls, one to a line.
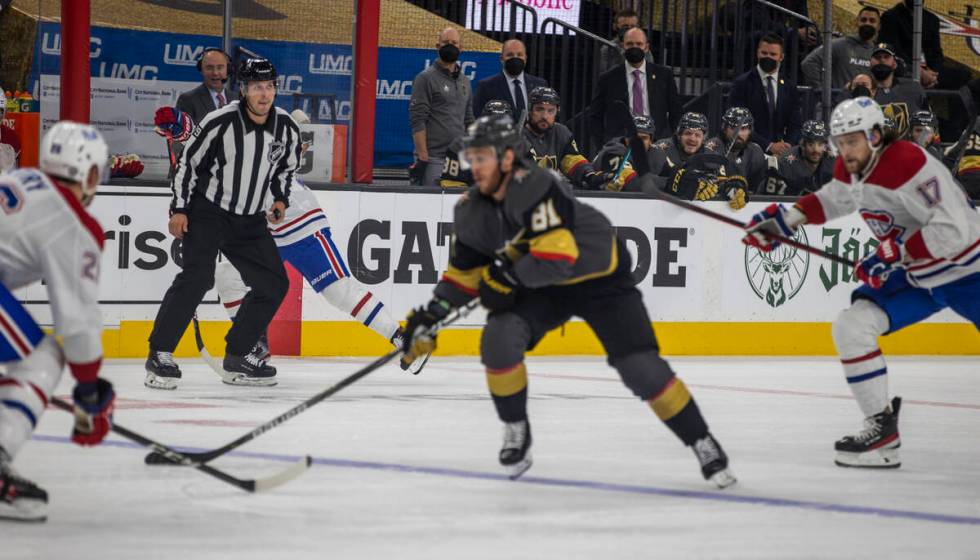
point(499, 87)
point(198, 102)
point(748, 91)
point(606, 120)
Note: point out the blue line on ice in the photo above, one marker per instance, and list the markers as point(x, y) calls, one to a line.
point(714, 496)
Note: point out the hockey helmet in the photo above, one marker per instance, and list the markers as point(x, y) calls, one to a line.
point(860, 114)
point(543, 95)
point(69, 151)
point(256, 70)
point(814, 131)
point(496, 107)
point(644, 125)
point(493, 131)
point(693, 120)
point(923, 118)
point(737, 117)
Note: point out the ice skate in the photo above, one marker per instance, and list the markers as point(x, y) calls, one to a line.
point(248, 370)
point(876, 446)
point(714, 462)
point(415, 366)
point(162, 371)
point(515, 455)
point(20, 499)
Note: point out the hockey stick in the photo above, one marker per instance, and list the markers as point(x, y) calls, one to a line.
point(157, 458)
point(212, 362)
point(249, 485)
point(642, 167)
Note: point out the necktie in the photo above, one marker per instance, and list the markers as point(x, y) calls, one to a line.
point(221, 100)
point(638, 108)
point(519, 102)
point(771, 94)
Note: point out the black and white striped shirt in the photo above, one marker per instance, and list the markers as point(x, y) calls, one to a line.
point(236, 163)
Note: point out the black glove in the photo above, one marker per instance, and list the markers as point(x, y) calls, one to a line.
point(498, 284)
point(735, 188)
point(693, 184)
point(596, 180)
point(416, 172)
point(415, 341)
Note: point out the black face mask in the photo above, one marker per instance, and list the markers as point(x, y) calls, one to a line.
point(768, 65)
point(881, 71)
point(866, 32)
point(634, 55)
point(514, 66)
point(860, 91)
point(449, 53)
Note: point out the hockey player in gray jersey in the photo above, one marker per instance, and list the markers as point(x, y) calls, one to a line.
point(616, 157)
point(924, 131)
point(536, 257)
point(552, 146)
point(455, 171)
point(804, 168)
point(745, 157)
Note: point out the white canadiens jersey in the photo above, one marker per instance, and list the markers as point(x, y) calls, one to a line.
point(911, 197)
point(45, 233)
point(304, 217)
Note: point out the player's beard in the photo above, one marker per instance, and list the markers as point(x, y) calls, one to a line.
point(537, 129)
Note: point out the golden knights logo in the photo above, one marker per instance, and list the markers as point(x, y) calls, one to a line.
point(777, 276)
point(899, 114)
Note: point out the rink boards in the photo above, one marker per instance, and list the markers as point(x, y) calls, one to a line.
point(706, 292)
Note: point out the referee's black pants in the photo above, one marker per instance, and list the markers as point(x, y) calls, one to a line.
point(246, 242)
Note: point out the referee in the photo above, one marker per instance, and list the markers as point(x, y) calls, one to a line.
point(239, 159)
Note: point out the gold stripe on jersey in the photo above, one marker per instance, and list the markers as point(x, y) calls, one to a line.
point(570, 162)
point(671, 400)
point(466, 280)
point(613, 264)
point(508, 381)
point(555, 245)
point(494, 285)
point(451, 184)
point(969, 164)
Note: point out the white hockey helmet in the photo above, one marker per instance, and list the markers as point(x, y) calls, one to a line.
point(69, 151)
point(860, 114)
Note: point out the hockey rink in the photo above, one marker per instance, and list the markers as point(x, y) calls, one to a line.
point(405, 467)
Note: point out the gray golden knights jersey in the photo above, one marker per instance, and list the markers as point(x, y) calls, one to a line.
point(901, 101)
point(554, 239)
point(749, 163)
point(556, 149)
point(793, 176)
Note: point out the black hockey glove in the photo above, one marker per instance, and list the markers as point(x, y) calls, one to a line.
point(693, 184)
point(416, 172)
point(416, 339)
point(597, 180)
point(499, 284)
point(735, 188)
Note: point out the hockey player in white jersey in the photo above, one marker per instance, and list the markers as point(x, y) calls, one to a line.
point(46, 234)
point(928, 259)
point(304, 241)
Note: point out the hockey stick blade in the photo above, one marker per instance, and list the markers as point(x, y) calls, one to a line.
point(176, 457)
point(207, 456)
point(212, 362)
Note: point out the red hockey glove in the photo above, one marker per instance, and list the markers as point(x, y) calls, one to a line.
point(770, 220)
point(173, 121)
point(94, 403)
point(874, 269)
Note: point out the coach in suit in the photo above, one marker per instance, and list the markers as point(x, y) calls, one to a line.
point(511, 84)
point(646, 88)
point(772, 100)
point(211, 94)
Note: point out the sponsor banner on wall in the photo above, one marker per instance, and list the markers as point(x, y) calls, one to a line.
point(688, 267)
point(495, 15)
point(314, 77)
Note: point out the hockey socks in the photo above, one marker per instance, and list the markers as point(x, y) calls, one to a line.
point(508, 387)
point(675, 406)
point(867, 376)
point(856, 334)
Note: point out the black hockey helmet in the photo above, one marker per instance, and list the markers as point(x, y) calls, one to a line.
point(815, 131)
point(737, 117)
point(496, 107)
point(644, 125)
point(543, 95)
point(494, 131)
point(692, 120)
point(256, 70)
point(923, 118)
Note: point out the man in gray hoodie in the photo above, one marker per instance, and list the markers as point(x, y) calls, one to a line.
point(440, 109)
point(851, 54)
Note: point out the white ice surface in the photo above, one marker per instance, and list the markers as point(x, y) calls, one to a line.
point(406, 468)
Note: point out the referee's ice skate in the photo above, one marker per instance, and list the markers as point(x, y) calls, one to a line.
point(248, 370)
point(162, 372)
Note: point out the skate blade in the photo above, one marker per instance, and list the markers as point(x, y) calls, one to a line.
point(416, 366)
point(723, 479)
point(517, 469)
point(876, 459)
point(154, 381)
point(245, 381)
point(25, 511)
